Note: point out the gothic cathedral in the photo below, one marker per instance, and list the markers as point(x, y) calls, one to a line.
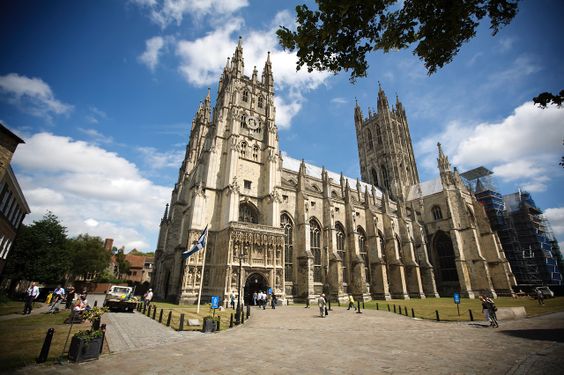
point(299, 230)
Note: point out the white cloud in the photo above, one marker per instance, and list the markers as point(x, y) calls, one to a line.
point(157, 160)
point(166, 12)
point(203, 60)
point(522, 67)
point(32, 95)
point(96, 135)
point(339, 101)
point(505, 44)
point(556, 218)
point(153, 48)
point(90, 189)
point(96, 115)
point(523, 147)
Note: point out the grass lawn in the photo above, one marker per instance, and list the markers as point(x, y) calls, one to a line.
point(189, 312)
point(15, 307)
point(22, 338)
point(425, 308)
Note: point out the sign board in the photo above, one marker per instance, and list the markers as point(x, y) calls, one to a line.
point(269, 291)
point(215, 302)
point(456, 298)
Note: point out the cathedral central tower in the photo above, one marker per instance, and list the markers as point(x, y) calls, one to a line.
point(384, 148)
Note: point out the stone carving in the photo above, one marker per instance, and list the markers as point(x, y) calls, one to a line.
point(233, 186)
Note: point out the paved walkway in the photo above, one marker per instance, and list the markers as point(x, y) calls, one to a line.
point(37, 310)
point(295, 340)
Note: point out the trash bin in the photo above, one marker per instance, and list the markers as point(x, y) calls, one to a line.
point(210, 325)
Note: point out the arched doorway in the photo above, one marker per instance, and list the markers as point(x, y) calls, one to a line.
point(255, 283)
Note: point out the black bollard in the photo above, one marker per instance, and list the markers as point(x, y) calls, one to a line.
point(46, 346)
point(95, 303)
point(149, 312)
point(103, 329)
point(242, 318)
point(329, 303)
point(181, 324)
point(231, 321)
point(218, 325)
point(394, 308)
point(307, 303)
point(363, 304)
point(144, 309)
point(437, 314)
point(406, 311)
point(471, 316)
point(169, 318)
point(388, 307)
point(161, 316)
point(412, 313)
point(377, 306)
point(248, 311)
point(358, 307)
point(154, 312)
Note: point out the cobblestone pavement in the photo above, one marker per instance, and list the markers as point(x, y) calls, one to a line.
point(295, 340)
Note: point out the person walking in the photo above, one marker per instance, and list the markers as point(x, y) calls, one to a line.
point(273, 301)
point(492, 310)
point(31, 295)
point(485, 309)
point(232, 300)
point(321, 302)
point(262, 297)
point(70, 298)
point(351, 303)
point(540, 297)
point(58, 296)
point(147, 298)
point(255, 297)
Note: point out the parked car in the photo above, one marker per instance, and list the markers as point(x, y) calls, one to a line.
point(546, 292)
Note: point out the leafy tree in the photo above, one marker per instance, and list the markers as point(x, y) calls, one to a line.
point(40, 252)
point(546, 98)
point(137, 252)
point(122, 264)
point(88, 255)
point(339, 34)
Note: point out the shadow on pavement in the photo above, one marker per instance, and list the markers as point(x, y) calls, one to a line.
point(556, 334)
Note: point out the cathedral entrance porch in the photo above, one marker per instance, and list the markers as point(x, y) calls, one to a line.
point(254, 284)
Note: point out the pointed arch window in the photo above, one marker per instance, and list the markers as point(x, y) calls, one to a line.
point(375, 178)
point(244, 149)
point(385, 178)
point(260, 102)
point(255, 152)
point(341, 251)
point(363, 249)
point(286, 224)
point(245, 96)
point(315, 246)
point(378, 135)
point(248, 213)
point(446, 257)
point(437, 213)
point(369, 139)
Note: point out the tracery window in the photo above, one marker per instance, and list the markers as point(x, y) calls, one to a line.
point(375, 178)
point(286, 224)
point(446, 257)
point(385, 178)
point(260, 102)
point(315, 246)
point(378, 135)
point(255, 152)
point(341, 251)
point(363, 252)
point(437, 213)
point(369, 139)
point(244, 149)
point(248, 213)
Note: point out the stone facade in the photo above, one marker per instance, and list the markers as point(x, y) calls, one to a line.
point(303, 230)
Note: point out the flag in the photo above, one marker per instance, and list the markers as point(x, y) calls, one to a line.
point(200, 244)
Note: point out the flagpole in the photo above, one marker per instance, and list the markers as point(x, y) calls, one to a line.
point(202, 275)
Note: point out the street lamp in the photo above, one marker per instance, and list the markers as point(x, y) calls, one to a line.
point(241, 254)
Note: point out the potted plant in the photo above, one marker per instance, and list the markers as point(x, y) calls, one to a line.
point(87, 344)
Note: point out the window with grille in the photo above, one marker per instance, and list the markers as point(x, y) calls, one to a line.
point(248, 213)
point(341, 251)
point(286, 224)
point(437, 213)
point(315, 246)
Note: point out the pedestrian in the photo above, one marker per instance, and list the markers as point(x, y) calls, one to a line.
point(255, 296)
point(321, 302)
point(485, 309)
point(262, 298)
point(232, 299)
point(70, 298)
point(58, 296)
point(492, 310)
point(273, 301)
point(147, 298)
point(351, 303)
point(540, 297)
point(31, 295)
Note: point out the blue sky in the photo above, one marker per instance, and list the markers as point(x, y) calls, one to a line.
point(104, 94)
